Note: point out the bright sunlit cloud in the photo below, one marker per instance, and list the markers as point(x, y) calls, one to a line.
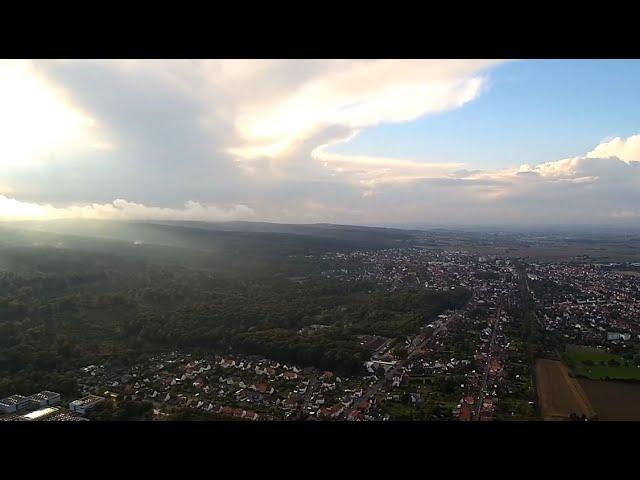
point(355, 94)
point(626, 149)
point(35, 119)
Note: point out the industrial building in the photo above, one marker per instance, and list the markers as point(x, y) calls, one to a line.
point(84, 404)
point(41, 414)
point(45, 399)
point(14, 403)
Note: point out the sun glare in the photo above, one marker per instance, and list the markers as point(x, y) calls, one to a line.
point(35, 121)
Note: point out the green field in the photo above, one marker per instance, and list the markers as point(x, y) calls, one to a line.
point(594, 364)
point(597, 358)
point(611, 373)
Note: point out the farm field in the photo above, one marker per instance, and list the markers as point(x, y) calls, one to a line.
point(562, 253)
point(614, 401)
point(559, 395)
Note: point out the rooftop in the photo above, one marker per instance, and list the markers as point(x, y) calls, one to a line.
point(13, 400)
point(38, 414)
point(88, 400)
point(45, 395)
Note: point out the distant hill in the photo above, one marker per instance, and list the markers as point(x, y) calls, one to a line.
point(247, 238)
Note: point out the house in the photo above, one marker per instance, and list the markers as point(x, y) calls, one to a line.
point(466, 413)
point(331, 412)
point(249, 415)
point(227, 363)
point(355, 415)
point(290, 375)
point(263, 388)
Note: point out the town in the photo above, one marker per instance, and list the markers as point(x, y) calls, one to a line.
point(475, 363)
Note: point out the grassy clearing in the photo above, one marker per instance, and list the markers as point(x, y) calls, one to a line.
point(610, 373)
point(599, 365)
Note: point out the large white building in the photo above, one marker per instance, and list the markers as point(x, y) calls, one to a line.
point(41, 414)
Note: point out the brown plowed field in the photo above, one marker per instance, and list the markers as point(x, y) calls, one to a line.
point(613, 400)
point(559, 395)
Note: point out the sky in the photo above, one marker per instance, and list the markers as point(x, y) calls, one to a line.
point(373, 142)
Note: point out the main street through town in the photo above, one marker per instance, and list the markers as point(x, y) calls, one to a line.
point(483, 387)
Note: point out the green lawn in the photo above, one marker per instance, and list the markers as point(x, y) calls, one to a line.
point(399, 411)
point(594, 364)
point(580, 355)
point(613, 373)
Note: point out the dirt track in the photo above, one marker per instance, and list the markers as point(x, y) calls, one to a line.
point(560, 395)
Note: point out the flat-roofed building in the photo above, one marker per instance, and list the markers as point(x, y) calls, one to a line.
point(41, 414)
point(45, 399)
point(84, 404)
point(14, 403)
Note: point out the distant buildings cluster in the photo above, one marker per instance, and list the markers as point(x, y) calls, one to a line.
point(45, 405)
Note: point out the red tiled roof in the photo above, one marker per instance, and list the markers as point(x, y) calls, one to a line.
point(465, 413)
point(262, 387)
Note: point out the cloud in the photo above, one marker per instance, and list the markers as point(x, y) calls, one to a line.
point(627, 150)
point(625, 214)
point(164, 131)
point(370, 171)
point(573, 191)
point(356, 95)
point(253, 139)
point(558, 168)
point(37, 120)
point(375, 190)
point(12, 209)
point(581, 190)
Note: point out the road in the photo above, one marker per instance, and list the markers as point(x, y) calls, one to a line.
point(376, 387)
point(485, 378)
point(307, 396)
point(530, 292)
